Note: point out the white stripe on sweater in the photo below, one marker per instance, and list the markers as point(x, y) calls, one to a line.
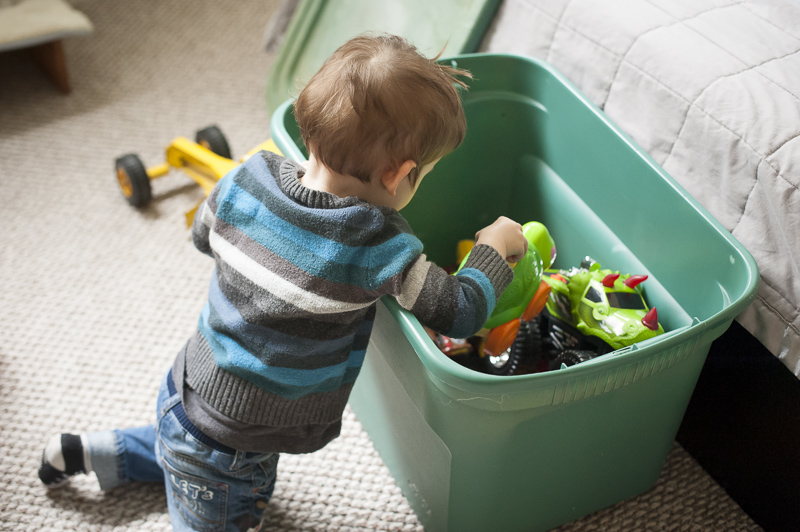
point(275, 284)
point(413, 283)
point(206, 215)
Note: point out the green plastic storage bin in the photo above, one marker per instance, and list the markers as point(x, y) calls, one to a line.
point(476, 452)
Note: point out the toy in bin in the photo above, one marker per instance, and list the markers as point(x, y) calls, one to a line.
point(573, 316)
point(592, 311)
point(206, 161)
point(499, 344)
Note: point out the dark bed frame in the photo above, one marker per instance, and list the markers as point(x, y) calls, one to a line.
point(743, 427)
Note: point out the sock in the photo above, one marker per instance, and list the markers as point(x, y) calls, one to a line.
point(63, 457)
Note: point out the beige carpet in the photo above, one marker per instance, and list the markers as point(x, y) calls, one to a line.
point(97, 297)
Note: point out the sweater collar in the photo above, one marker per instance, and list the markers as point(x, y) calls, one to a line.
point(289, 181)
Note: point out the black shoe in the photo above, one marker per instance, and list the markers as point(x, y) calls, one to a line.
point(65, 450)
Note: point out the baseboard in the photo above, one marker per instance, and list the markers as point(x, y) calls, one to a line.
point(743, 427)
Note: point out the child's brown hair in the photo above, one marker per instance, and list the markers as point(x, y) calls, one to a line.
point(376, 103)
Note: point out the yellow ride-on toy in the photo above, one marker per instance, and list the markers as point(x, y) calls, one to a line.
point(206, 161)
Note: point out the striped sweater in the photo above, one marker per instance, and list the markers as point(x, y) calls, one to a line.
point(291, 304)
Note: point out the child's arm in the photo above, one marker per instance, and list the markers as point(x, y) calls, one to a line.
point(203, 219)
point(458, 305)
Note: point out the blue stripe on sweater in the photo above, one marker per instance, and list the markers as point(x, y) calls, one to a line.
point(225, 183)
point(354, 216)
point(257, 334)
point(484, 282)
point(356, 358)
point(319, 256)
point(288, 383)
point(363, 333)
point(464, 323)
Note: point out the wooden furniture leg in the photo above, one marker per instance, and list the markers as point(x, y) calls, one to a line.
point(50, 57)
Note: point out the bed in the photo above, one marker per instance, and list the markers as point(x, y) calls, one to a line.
point(711, 90)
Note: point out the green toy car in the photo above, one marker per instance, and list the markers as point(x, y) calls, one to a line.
point(592, 311)
point(554, 318)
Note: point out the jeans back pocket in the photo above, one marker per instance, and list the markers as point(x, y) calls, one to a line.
point(201, 502)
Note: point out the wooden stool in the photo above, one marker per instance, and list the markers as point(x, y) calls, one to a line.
point(40, 26)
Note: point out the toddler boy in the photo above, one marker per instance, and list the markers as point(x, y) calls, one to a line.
point(302, 254)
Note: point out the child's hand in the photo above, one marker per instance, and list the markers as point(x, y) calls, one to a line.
point(504, 235)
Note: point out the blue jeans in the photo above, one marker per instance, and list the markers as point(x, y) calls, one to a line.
point(210, 487)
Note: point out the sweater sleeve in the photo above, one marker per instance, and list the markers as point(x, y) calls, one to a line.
point(203, 220)
point(455, 305)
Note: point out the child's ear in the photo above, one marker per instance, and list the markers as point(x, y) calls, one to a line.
point(391, 180)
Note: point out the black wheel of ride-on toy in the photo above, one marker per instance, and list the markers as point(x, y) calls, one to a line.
point(570, 357)
point(508, 362)
point(133, 180)
point(212, 138)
